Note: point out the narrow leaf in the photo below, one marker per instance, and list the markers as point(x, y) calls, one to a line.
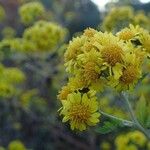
point(141, 110)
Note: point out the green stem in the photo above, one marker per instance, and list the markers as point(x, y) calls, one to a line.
point(133, 117)
point(124, 122)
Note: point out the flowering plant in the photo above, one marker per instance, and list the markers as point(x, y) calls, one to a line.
point(96, 61)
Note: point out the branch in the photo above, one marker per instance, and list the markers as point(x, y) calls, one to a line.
point(133, 117)
point(124, 122)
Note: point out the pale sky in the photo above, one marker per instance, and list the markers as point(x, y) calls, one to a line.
point(101, 3)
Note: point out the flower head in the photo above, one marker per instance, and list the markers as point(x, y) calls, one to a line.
point(112, 54)
point(30, 12)
point(80, 110)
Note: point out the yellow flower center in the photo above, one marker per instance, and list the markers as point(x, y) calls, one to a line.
point(112, 54)
point(79, 113)
point(89, 72)
point(129, 75)
point(126, 35)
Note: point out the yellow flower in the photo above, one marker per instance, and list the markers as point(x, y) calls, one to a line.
point(6, 90)
point(145, 40)
point(89, 72)
point(112, 51)
point(129, 32)
point(141, 19)
point(129, 78)
point(77, 82)
point(90, 56)
point(105, 145)
point(74, 48)
point(121, 141)
point(131, 147)
point(138, 36)
point(64, 93)
point(129, 75)
point(112, 54)
point(138, 138)
point(16, 145)
point(80, 110)
point(44, 35)
point(30, 12)
point(117, 17)
point(131, 141)
point(125, 34)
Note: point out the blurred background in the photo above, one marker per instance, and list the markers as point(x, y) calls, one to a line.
point(33, 38)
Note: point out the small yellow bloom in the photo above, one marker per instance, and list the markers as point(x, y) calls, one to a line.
point(80, 110)
point(138, 138)
point(121, 141)
point(16, 145)
point(90, 73)
point(125, 34)
point(105, 145)
point(64, 93)
point(129, 75)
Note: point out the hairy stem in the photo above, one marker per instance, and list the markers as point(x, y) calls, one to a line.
point(133, 117)
point(124, 122)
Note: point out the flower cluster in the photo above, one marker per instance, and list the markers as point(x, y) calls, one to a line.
point(120, 17)
point(132, 141)
point(96, 60)
point(30, 12)
point(42, 36)
point(9, 77)
point(45, 35)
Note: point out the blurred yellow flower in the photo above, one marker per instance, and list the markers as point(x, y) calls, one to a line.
point(133, 140)
point(137, 137)
point(30, 12)
point(2, 13)
point(105, 146)
point(16, 145)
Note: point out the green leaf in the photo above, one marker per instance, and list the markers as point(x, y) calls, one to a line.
point(148, 117)
point(141, 110)
point(148, 121)
point(109, 126)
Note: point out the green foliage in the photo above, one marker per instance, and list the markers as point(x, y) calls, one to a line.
point(143, 112)
point(109, 126)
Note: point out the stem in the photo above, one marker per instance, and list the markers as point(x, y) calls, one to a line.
point(124, 122)
point(133, 117)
